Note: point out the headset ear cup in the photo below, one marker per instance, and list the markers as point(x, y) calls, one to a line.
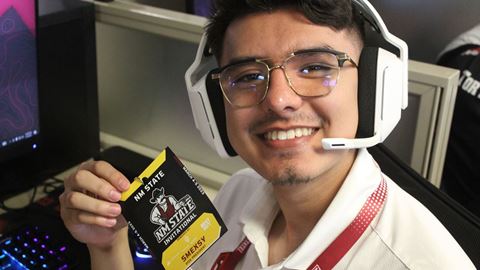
point(218, 108)
point(367, 84)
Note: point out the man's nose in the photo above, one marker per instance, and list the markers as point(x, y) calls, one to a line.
point(280, 96)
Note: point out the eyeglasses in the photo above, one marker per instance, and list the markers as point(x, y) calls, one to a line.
point(309, 73)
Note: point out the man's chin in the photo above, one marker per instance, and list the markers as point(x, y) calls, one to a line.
point(290, 177)
point(291, 181)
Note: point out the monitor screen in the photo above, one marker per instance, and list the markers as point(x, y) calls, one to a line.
point(19, 108)
point(49, 118)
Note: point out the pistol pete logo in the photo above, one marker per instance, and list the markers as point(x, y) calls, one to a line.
point(166, 201)
point(169, 213)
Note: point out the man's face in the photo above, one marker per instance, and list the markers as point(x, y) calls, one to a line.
point(275, 35)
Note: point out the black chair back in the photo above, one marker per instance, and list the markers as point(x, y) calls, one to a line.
point(463, 225)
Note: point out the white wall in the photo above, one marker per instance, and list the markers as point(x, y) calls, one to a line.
point(142, 94)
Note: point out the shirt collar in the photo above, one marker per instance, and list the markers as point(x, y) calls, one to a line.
point(363, 178)
point(261, 209)
point(257, 217)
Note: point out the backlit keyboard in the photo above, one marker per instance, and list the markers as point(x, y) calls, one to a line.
point(33, 248)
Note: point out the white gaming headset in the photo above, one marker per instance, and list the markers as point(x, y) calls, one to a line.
point(382, 90)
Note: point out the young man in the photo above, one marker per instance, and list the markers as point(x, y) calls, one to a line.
point(289, 78)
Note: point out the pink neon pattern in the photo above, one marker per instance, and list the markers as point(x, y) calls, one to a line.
point(24, 8)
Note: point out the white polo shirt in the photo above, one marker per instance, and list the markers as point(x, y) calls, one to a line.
point(404, 235)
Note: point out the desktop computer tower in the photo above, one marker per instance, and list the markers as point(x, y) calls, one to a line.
point(69, 121)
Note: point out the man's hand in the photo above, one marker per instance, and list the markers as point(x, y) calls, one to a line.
point(89, 205)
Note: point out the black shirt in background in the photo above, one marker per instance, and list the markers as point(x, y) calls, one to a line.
point(461, 173)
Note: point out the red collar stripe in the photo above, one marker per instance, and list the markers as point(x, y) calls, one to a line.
point(342, 244)
point(228, 260)
point(336, 250)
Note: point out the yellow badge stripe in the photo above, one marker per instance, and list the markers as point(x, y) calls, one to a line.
point(159, 160)
point(133, 187)
point(154, 165)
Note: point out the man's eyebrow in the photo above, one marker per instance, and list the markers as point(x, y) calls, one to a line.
point(318, 47)
point(253, 57)
point(243, 59)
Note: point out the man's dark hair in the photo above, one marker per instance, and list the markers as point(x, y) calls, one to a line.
point(336, 14)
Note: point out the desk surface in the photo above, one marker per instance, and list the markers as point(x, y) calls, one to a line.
point(24, 199)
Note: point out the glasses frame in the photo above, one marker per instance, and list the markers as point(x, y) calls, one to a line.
point(341, 58)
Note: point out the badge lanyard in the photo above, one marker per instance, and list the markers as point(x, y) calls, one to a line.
point(336, 250)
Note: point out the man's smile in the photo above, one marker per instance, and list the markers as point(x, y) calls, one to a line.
point(288, 134)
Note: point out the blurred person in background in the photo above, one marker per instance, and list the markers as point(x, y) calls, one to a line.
point(461, 173)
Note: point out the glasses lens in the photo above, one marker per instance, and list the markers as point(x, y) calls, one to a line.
point(244, 84)
point(313, 73)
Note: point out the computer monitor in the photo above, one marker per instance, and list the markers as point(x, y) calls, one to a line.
point(49, 118)
point(19, 106)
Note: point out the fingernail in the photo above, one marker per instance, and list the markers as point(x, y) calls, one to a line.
point(115, 195)
point(124, 184)
point(115, 210)
point(110, 221)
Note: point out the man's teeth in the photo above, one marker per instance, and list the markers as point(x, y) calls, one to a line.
point(288, 134)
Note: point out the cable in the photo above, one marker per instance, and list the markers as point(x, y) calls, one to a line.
point(6, 208)
point(52, 185)
point(49, 187)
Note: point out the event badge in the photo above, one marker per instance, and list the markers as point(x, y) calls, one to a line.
point(170, 213)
